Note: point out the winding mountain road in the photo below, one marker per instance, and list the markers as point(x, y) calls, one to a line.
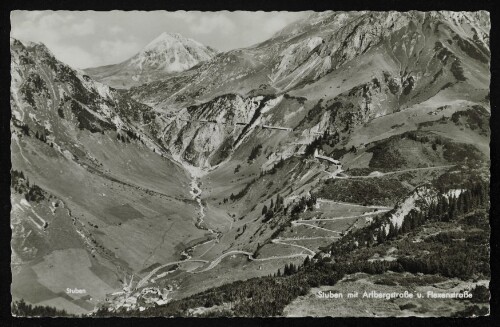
point(279, 241)
point(145, 279)
point(295, 223)
point(380, 174)
point(321, 200)
point(366, 214)
point(215, 262)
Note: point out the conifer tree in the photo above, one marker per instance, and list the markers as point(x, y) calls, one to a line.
point(264, 209)
point(392, 231)
point(381, 235)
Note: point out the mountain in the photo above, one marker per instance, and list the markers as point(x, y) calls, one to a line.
point(337, 71)
point(398, 99)
point(167, 54)
point(349, 144)
point(91, 187)
point(400, 44)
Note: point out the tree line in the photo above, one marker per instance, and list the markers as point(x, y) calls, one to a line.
point(22, 309)
point(22, 185)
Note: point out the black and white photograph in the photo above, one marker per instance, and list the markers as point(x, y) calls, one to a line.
point(250, 163)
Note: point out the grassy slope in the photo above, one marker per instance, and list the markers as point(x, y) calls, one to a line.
point(436, 250)
point(151, 202)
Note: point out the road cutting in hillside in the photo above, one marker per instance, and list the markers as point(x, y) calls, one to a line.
point(377, 174)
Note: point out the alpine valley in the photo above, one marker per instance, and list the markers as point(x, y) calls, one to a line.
point(347, 153)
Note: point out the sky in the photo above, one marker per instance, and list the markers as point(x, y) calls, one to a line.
point(85, 39)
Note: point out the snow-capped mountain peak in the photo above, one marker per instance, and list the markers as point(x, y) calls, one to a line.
point(171, 52)
point(168, 40)
point(168, 53)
